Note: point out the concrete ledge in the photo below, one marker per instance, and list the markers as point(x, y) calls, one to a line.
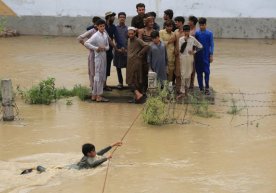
point(73, 26)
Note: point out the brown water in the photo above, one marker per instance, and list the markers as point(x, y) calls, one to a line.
point(207, 155)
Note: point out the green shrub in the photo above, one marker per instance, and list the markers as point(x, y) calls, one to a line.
point(81, 91)
point(154, 111)
point(43, 93)
point(155, 108)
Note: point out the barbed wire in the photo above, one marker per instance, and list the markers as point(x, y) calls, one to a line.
point(238, 106)
point(250, 115)
point(245, 93)
point(252, 121)
point(230, 101)
point(249, 100)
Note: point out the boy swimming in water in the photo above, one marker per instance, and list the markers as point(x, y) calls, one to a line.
point(91, 158)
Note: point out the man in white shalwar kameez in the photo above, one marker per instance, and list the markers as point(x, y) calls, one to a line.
point(91, 57)
point(188, 46)
point(99, 43)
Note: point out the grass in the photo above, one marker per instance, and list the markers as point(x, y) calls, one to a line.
point(69, 102)
point(234, 109)
point(63, 92)
point(45, 92)
point(201, 107)
point(81, 91)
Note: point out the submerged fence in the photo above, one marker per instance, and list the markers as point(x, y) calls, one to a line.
point(234, 104)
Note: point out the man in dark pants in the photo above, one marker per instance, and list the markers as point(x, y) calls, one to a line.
point(113, 34)
point(120, 57)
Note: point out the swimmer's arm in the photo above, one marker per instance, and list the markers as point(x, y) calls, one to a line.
point(103, 151)
point(100, 161)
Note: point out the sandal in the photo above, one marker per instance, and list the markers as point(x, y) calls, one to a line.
point(102, 99)
point(178, 97)
point(120, 86)
point(141, 100)
point(207, 92)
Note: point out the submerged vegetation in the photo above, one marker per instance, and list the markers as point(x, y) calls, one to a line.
point(81, 91)
point(45, 92)
point(161, 106)
point(200, 106)
point(155, 108)
point(234, 109)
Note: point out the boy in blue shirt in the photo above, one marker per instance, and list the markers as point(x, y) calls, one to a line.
point(205, 56)
point(157, 57)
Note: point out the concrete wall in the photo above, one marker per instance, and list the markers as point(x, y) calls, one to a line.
point(73, 26)
point(210, 8)
point(227, 19)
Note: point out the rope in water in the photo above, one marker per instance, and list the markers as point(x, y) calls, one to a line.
point(125, 134)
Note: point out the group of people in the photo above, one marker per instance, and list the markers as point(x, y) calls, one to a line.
point(175, 53)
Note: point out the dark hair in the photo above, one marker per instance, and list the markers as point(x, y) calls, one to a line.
point(140, 5)
point(202, 20)
point(86, 148)
point(179, 19)
point(169, 12)
point(186, 28)
point(169, 22)
point(193, 19)
point(152, 13)
point(183, 47)
point(107, 17)
point(154, 34)
point(95, 19)
point(100, 22)
point(121, 13)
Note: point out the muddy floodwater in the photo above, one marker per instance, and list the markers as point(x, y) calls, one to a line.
point(222, 154)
